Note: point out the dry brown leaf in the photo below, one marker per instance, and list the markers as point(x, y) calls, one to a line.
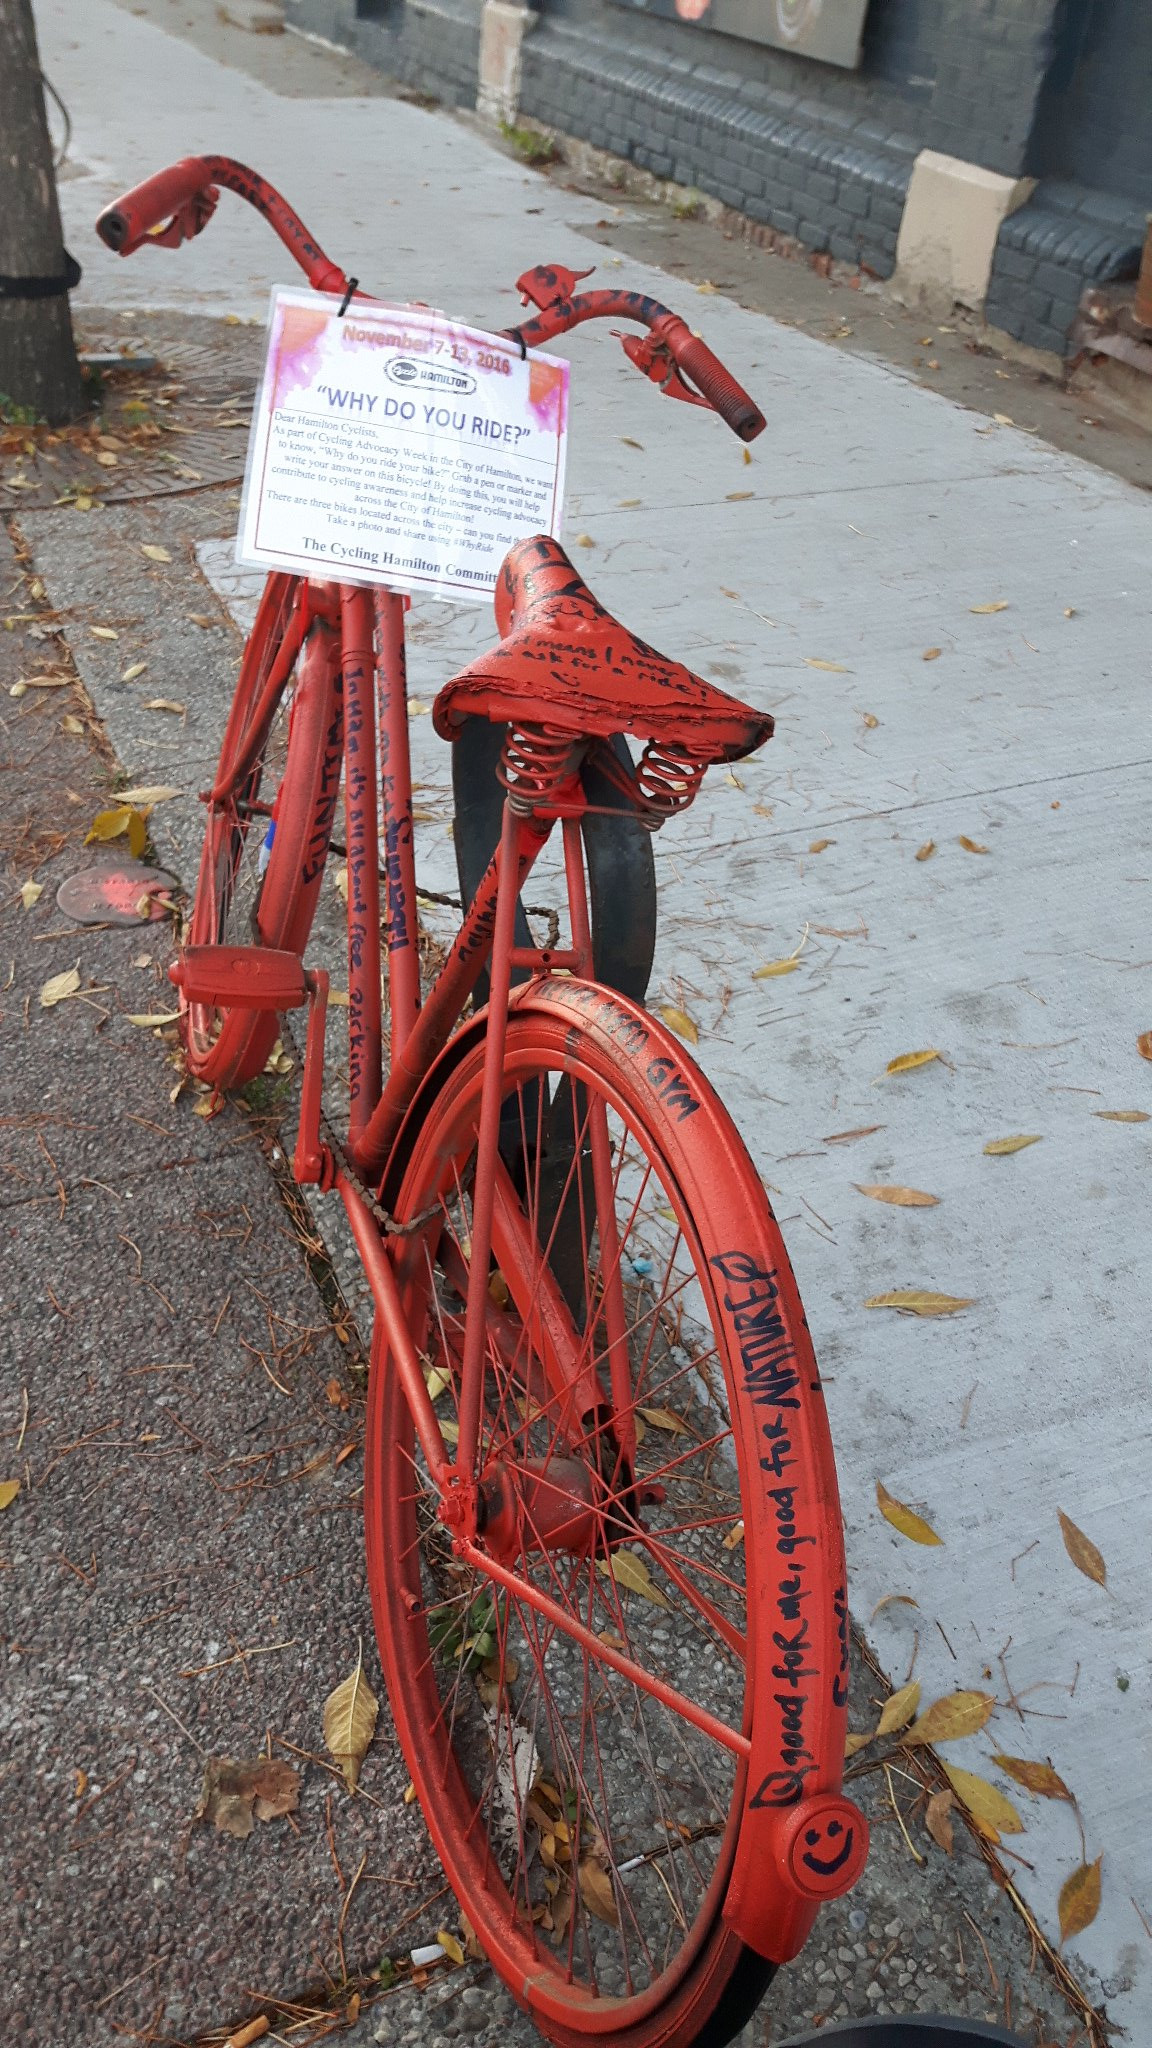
point(904, 1519)
point(350, 1712)
point(899, 1709)
point(148, 1019)
point(818, 845)
point(71, 725)
point(666, 1418)
point(9, 1488)
point(1000, 1148)
point(1122, 1116)
point(1001, 605)
point(30, 894)
point(971, 845)
point(834, 668)
point(938, 1819)
point(597, 1891)
point(236, 1792)
point(59, 987)
point(1144, 1045)
point(926, 851)
point(849, 1137)
point(993, 1813)
point(900, 1198)
point(774, 967)
point(932, 654)
point(870, 720)
point(149, 793)
point(104, 632)
point(952, 1718)
point(853, 1744)
point(632, 1573)
point(1081, 1549)
point(905, 1061)
point(1038, 1778)
point(680, 1022)
point(154, 554)
point(918, 1301)
point(585, 540)
point(134, 669)
point(1079, 1899)
point(893, 1600)
point(165, 704)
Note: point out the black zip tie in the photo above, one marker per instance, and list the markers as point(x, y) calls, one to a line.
point(517, 337)
point(352, 284)
point(42, 287)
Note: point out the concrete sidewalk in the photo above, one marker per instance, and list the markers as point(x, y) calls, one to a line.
point(884, 523)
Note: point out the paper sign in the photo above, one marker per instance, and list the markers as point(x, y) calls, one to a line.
point(393, 446)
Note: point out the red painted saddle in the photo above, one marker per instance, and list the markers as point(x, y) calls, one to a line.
point(563, 662)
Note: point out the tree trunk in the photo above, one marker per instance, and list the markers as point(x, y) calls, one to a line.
point(38, 366)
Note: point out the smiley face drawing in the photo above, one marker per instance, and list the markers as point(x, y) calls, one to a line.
point(826, 1846)
point(828, 1837)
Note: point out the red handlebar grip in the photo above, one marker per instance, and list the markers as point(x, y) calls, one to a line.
point(124, 224)
point(719, 387)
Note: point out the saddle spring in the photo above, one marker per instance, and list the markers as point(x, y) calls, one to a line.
point(534, 762)
point(668, 781)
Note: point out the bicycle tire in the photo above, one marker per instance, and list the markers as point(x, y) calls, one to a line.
point(440, 1626)
point(260, 874)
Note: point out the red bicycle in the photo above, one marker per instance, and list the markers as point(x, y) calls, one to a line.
point(603, 1534)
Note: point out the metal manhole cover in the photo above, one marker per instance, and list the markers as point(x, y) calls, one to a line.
point(126, 892)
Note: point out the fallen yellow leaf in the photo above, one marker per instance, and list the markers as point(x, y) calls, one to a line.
point(71, 725)
point(666, 1418)
point(988, 1807)
point(774, 967)
point(870, 720)
point(903, 1519)
point(9, 1488)
point(971, 845)
point(1001, 1148)
point(1081, 1549)
point(146, 1018)
point(59, 987)
point(1079, 1899)
point(1144, 1045)
point(1001, 605)
point(854, 1743)
point(680, 1022)
point(104, 632)
point(818, 845)
point(114, 823)
point(134, 669)
point(932, 654)
point(30, 893)
point(900, 1709)
point(893, 1600)
point(165, 704)
point(952, 1718)
point(926, 851)
point(916, 1301)
point(834, 668)
point(350, 1712)
point(1122, 1116)
point(585, 540)
point(450, 1946)
point(905, 1061)
point(632, 1573)
point(154, 553)
point(900, 1198)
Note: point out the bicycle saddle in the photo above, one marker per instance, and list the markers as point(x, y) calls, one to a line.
point(562, 661)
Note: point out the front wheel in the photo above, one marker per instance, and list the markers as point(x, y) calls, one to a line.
point(574, 1681)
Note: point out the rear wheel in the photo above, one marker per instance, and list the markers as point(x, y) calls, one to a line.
point(266, 839)
point(587, 1811)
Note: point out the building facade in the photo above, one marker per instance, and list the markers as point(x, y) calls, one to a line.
point(1000, 150)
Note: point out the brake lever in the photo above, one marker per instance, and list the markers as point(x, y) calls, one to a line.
point(187, 221)
point(548, 285)
point(655, 361)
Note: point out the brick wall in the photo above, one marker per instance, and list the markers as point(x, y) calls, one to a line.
point(1095, 117)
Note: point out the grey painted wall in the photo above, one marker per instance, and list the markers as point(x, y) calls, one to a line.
point(1095, 116)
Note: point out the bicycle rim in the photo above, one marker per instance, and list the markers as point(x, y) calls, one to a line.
point(586, 1821)
point(266, 841)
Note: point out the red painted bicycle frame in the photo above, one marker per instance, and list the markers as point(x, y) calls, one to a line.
point(777, 1880)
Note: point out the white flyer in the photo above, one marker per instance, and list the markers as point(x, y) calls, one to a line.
point(391, 445)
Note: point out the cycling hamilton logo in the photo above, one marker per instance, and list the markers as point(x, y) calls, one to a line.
point(431, 375)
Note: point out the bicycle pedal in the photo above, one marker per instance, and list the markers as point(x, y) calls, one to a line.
point(240, 977)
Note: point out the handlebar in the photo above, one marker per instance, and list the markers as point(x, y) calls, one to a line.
point(176, 204)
